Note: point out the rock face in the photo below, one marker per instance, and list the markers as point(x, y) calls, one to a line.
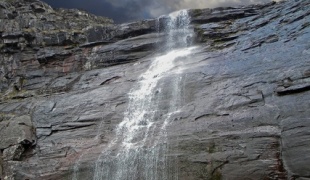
point(65, 77)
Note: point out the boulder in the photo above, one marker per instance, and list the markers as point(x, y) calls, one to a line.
point(15, 131)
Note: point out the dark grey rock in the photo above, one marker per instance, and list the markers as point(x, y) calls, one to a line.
point(295, 142)
point(243, 96)
point(15, 130)
point(13, 153)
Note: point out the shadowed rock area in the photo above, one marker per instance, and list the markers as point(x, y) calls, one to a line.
point(245, 91)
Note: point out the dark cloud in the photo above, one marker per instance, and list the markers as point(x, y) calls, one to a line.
point(129, 10)
point(99, 7)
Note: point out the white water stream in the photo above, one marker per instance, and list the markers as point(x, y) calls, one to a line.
point(139, 149)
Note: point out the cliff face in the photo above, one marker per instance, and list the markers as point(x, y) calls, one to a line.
point(65, 77)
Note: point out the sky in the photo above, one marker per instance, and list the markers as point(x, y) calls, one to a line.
point(130, 10)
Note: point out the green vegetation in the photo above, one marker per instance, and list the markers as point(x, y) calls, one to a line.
point(197, 12)
point(213, 170)
point(217, 175)
point(5, 116)
point(17, 94)
point(22, 82)
point(211, 148)
point(29, 30)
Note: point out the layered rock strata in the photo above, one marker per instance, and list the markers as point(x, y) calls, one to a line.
point(65, 77)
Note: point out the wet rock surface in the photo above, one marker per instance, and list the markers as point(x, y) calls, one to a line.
point(65, 75)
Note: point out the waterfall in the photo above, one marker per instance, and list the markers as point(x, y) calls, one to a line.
point(176, 27)
point(140, 147)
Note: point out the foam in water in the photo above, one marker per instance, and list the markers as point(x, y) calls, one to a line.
point(140, 145)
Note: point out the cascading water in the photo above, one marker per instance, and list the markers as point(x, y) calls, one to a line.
point(140, 147)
